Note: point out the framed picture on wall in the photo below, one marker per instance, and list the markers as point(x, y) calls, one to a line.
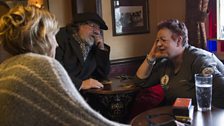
point(130, 17)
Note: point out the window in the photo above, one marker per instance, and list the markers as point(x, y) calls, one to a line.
point(220, 19)
point(215, 28)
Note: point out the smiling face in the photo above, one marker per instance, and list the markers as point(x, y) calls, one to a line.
point(168, 44)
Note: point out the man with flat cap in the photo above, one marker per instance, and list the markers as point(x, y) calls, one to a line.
point(83, 52)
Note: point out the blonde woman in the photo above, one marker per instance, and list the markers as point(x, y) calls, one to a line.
point(35, 90)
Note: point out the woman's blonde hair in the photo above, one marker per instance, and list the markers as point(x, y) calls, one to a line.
point(26, 29)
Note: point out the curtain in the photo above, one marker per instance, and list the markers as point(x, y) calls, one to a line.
point(196, 15)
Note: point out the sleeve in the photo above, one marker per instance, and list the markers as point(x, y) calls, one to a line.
point(154, 78)
point(209, 64)
point(41, 93)
point(77, 82)
point(62, 37)
point(87, 114)
point(103, 63)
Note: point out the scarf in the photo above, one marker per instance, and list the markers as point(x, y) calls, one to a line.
point(85, 46)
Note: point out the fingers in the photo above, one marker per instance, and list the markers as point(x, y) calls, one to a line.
point(156, 52)
point(99, 40)
point(96, 84)
point(91, 83)
point(153, 51)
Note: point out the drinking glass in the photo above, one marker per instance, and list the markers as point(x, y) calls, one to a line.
point(203, 84)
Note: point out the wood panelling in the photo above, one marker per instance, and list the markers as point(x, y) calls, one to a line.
point(126, 66)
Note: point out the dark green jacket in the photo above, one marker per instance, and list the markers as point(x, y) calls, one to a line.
point(182, 84)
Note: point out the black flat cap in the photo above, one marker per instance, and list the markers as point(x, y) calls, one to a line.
point(83, 17)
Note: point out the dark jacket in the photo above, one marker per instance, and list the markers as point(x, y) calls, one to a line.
point(69, 54)
point(182, 84)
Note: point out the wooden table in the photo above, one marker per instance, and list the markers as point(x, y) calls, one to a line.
point(115, 99)
point(215, 117)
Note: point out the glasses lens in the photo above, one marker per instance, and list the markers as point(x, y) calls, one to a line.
point(93, 25)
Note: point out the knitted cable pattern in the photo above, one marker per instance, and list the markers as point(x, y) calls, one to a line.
point(35, 90)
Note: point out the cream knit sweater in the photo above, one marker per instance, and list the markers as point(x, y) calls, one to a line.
point(35, 90)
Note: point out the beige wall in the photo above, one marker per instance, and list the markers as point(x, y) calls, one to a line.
point(139, 44)
point(62, 9)
point(127, 46)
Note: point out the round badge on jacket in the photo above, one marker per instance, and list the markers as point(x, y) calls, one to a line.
point(208, 70)
point(164, 81)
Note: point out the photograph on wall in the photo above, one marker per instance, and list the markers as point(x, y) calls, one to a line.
point(130, 17)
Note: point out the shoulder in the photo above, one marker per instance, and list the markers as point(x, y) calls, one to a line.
point(26, 58)
point(37, 59)
point(34, 66)
point(197, 52)
point(64, 30)
point(193, 54)
point(201, 59)
point(64, 36)
point(32, 61)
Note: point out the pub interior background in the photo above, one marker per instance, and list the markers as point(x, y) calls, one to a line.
point(128, 51)
point(127, 46)
point(133, 47)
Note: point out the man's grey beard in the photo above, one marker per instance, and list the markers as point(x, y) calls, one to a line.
point(89, 40)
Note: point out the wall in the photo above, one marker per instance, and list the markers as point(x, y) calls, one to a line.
point(127, 46)
point(62, 9)
point(139, 44)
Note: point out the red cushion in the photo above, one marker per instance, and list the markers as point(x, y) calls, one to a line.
point(147, 98)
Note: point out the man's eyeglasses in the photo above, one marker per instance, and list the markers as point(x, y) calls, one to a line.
point(93, 25)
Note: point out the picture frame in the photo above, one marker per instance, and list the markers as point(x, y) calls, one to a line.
point(130, 17)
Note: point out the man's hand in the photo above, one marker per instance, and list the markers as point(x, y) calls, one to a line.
point(91, 83)
point(98, 39)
